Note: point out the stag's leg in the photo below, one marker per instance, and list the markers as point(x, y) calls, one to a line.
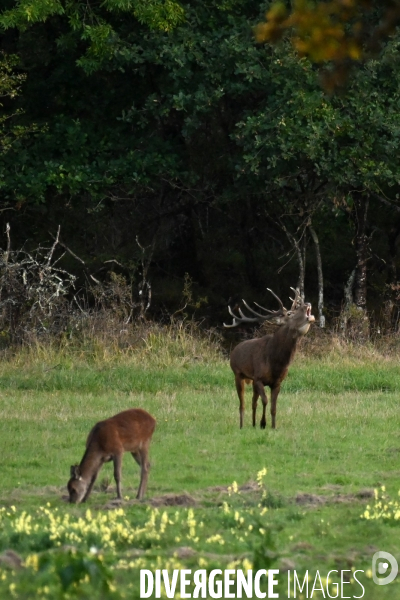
point(274, 398)
point(90, 486)
point(254, 403)
point(141, 458)
point(240, 390)
point(259, 388)
point(117, 460)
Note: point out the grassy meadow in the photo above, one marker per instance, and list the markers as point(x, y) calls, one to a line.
point(209, 502)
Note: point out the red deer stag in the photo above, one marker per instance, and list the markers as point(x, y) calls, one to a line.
point(266, 360)
point(128, 431)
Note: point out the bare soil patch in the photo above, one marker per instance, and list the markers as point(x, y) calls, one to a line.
point(318, 500)
point(173, 500)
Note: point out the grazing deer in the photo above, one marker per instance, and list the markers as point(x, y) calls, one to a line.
point(128, 431)
point(266, 360)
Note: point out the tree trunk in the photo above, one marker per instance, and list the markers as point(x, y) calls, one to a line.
point(348, 303)
point(321, 316)
point(300, 249)
point(360, 212)
point(302, 270)
point(302, 265)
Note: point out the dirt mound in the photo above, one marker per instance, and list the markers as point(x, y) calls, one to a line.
point(316, 500)
point(311, 499)
point(173, 500)
point(250, 486)
point(11, 559)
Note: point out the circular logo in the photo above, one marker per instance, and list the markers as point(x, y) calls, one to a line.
point(380, 564)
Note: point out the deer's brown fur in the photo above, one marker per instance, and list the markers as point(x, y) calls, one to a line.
point(128, 431)
point(265, 361)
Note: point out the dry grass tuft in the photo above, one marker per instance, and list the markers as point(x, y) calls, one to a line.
point(99, 338)
point(331, 347)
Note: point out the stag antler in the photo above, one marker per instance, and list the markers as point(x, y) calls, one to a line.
point(297, 300)
point(242, 319)
point(259, 318)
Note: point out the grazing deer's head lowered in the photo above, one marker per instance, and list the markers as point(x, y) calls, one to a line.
point(266, 360)
point(128, 431)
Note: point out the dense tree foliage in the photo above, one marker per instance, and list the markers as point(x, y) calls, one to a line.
point(171, 143)
point(338, 32)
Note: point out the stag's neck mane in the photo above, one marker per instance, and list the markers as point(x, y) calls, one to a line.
point(282, 344)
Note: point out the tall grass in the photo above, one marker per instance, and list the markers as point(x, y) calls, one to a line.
point(101, 337)
point(103, 354)
point(105, 340)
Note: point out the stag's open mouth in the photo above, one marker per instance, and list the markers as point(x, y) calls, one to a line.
point(309, 316)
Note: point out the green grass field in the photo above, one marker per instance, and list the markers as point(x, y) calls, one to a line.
point(337, 439)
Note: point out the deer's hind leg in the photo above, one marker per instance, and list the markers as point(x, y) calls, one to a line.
point(259, 388)
point(239, 381)
point(142, 459)
point(254, 403)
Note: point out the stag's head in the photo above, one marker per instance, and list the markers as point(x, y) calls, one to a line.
point(76, 486)
point(298, 319)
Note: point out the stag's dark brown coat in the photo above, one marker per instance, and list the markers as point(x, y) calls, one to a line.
point(266, 360)
point(128, 431)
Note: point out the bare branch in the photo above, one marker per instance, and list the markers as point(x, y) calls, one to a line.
point(7, 253)
point(50, 255)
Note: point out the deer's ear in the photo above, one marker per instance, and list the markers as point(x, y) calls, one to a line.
point(75, 472)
